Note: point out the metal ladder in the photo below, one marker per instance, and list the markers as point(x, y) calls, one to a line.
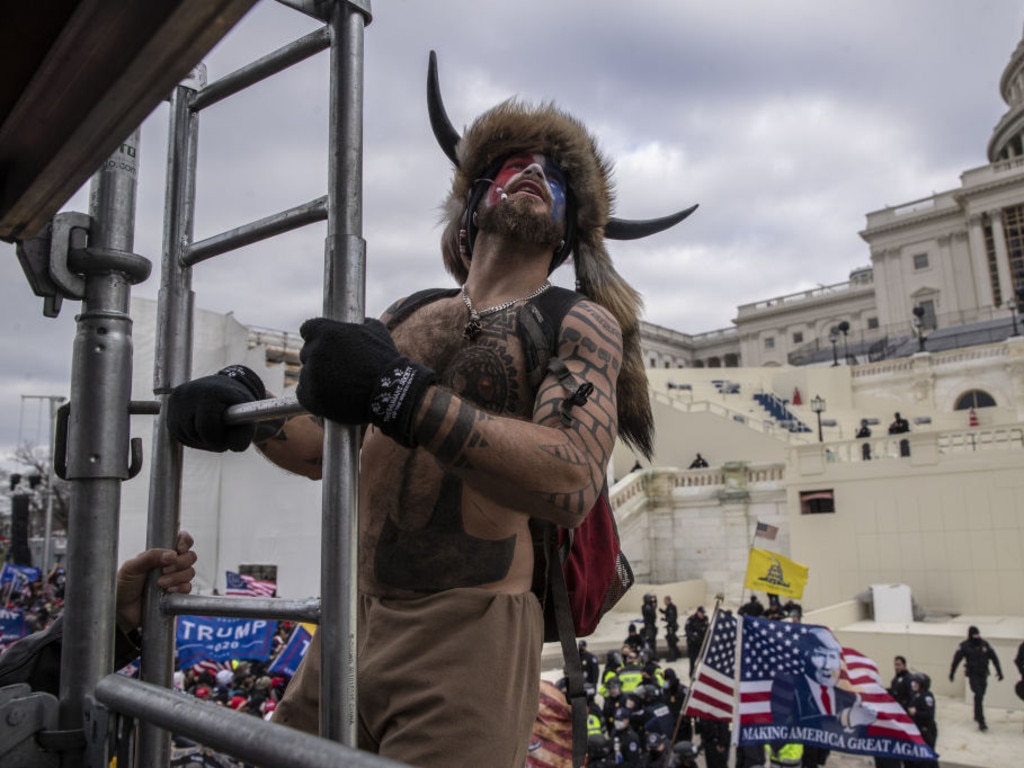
point(93, 719)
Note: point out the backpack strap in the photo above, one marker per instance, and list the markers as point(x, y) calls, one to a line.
point(575, 693)
point(540, 320)
point(415, 301)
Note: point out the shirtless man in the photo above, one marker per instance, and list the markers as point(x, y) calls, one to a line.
point(462, 450)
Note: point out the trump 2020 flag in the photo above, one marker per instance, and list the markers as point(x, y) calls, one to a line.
point(287, 661)
point(771, 572)
point(221, 639)
point(798, 684)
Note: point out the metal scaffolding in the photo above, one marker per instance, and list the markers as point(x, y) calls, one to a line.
point(90, 258)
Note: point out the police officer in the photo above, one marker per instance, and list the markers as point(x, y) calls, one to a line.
point(626, 742)
point(600, 753)
point(591, 667)
point(656, 743)
point(714, 742)
point(922, 711)
point(899, 688)
point(612, 665)
point(976, 655)
point(695, 629)
point(670, 615)
point(650, 614)
point(614, 699)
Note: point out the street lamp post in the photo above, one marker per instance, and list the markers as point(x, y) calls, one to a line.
point(818, 405)
point(844, 328)
point(833, 336)
point(1012, 306)
point(919, 327)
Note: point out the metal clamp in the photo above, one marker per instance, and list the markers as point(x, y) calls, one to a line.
point(60, 440)
point(23, 717)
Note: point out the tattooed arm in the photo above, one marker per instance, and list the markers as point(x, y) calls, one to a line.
point(294, 443)
point(552, 467)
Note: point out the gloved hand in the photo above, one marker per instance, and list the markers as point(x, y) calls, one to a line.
point(859, 715)
point(999, 677)
point(951, 677)
point(352, 373)
point(195, 410)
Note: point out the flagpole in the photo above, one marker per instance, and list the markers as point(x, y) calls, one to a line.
point(737, 680)
point(750, 549)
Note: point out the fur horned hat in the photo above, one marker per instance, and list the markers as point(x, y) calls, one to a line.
point(515, 126)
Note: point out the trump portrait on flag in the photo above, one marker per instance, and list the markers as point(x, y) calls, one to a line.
point(811, 697)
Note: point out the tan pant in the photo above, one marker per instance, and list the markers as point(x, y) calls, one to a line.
point(446, 680)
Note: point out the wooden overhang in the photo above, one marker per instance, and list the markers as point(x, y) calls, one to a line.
point(76, 78)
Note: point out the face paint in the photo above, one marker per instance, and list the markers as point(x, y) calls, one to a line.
point(514, 165)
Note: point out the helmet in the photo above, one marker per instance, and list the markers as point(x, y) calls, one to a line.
point(514, 126)
point(924, 682)
point(614, 657)
point(613, 680)
point(655, 740)
point(598, 746)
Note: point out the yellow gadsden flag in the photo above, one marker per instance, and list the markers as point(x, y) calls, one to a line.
point(769, 572)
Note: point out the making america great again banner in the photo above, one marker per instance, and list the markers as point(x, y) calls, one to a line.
point(796, 683)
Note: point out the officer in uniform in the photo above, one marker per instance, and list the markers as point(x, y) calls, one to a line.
point(922, 711)
point(625, 740)
point(976, 655)
point(695, 628)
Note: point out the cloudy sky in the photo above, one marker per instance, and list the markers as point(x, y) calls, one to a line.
point(787, 120)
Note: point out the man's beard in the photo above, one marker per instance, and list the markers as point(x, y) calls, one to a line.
point(518, 220)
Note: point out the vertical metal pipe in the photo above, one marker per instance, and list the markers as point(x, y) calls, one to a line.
point(172, 366)
point(344, 286)
point(101, 373)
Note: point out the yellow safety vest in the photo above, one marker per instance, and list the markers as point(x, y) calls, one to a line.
point(630, 678)
point(788, 755)
point(594, 726)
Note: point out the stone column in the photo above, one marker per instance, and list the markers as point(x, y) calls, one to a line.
point(979, 262)
point(1002, 257)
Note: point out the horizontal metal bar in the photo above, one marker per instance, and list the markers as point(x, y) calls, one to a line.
point(144, 407)
point(235, 733)
point(322, 11)
point(263, 410)
point(262, 68)
point(247, 234)
point(307, 610)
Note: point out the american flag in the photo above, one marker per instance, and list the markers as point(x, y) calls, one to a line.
point(245, 585)
point(766, 531)
point(713, 692)
point(771, 648)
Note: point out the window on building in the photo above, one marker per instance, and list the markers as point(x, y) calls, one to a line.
point(666, 363)
point(872, 323)
point(769, 342)
point(259, 571)
point(974, 398)
point(798, 337)
point(817, 502)
point(928, 320)
point(732, 360)
point(714, 362)
point(920, 261)
point(654, 363)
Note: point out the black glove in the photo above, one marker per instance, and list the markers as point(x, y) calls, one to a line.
point(195, 410)
point(999, 677)
point(353, 374)
point(951, 677)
